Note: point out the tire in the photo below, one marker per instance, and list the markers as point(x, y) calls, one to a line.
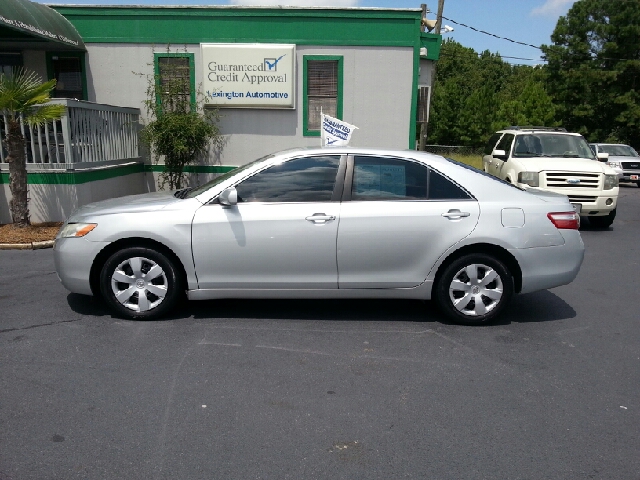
point(125, 281)
point(638, 184)
point(603, 222)
point(474, 289)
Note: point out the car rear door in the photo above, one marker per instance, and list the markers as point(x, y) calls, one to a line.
point(397, 218)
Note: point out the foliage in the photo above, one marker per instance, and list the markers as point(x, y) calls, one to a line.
point(594, 69)
point(180, 128)
point(477, 94)
point(24, 95)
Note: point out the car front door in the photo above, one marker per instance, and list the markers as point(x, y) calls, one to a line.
point(497, 167)
point(397, 219)
point(281, 234)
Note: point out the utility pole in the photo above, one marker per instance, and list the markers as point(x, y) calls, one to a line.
point(425, 125)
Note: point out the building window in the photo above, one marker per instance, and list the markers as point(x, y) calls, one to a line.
point(322, 91)
point(175, 74)
point(9, 62)
point(68, 70)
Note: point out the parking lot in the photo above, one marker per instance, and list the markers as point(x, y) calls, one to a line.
point(326, 389)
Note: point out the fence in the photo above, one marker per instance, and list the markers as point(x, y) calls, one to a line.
point(454, 150)
point(89, 134)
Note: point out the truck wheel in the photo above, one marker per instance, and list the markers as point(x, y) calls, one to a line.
point(603, 222)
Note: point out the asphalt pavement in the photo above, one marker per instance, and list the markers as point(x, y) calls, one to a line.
point(326, 389)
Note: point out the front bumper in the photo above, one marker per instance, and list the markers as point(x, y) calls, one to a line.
point(73, 258)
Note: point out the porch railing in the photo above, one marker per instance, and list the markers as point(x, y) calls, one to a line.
point(88, 135)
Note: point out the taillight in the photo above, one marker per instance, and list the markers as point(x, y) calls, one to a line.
point(565, 220)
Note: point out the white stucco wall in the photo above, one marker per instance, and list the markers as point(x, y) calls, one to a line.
point(377, 97)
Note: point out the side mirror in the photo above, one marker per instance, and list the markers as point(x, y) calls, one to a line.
point(228, 197)
point(603, 157)
point(501, 154)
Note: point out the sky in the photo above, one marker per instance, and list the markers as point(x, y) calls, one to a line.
point(527, 21)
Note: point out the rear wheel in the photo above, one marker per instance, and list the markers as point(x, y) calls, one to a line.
point(139, 283)
point(604, 221)
point(474, 289)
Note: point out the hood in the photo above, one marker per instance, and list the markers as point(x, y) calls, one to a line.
point(540, 164)
point(145, 202)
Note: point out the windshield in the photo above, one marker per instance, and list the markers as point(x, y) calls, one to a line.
point(551, 145)
point(192, 192)
point(618, 150)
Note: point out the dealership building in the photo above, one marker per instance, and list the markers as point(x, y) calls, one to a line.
point(270, 72)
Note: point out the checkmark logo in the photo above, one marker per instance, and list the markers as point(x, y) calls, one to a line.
point(272, 63)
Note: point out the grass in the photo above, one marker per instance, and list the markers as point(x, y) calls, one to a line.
point(473, 160)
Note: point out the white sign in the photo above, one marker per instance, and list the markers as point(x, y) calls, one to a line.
point(335, 133)
point(249, 75)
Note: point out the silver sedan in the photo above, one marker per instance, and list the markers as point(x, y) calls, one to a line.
point(326, 223)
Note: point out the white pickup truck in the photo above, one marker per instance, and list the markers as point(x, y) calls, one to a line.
point(555, 160)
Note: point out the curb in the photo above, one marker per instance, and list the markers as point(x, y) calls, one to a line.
point(27, 246)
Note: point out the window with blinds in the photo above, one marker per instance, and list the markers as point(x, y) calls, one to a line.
point(176, 84)
point(322, 94)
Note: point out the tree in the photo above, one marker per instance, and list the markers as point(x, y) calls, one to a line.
point(180, 128)
point(477, 94)
point(24, 95)
point(594, 69)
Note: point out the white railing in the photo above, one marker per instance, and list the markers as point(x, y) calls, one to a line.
point(89, 134)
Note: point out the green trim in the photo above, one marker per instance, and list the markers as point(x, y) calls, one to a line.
point(86, 176)
point(68, 54)
point(415, 96)
point(192, 71)
point(432, 43)
point(195, 25)
point(340, 102)
point(194, 168)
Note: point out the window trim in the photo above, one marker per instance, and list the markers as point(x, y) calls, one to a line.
point(305, 108)
point(192, 72)
point(68, 54)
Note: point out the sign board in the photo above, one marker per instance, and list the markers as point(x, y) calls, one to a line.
point(241, 75)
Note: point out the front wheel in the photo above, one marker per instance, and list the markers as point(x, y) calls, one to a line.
point(474, 289)
point(603, 222)
point(139, 283)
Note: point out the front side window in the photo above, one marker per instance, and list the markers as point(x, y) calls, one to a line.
point(175, 81)
point(381, 178)
point(322, 91)
point(488, 149)
point(307, 179)
point(505, 143)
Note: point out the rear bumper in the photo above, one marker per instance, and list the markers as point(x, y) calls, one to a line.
point(560, 266)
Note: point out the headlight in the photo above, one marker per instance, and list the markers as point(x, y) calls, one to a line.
point(529, 178)
point(610, 181)
point(614, 164)
point(76, 229)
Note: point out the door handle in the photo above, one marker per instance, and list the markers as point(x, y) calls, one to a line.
point(320, 218)
point(455, 214)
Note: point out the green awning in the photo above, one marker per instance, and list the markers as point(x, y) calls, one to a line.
point(33, 20)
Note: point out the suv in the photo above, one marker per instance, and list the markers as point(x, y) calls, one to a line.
point(558, 161)
point(622, 158)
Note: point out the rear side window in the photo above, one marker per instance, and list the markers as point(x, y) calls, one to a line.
point(382, 178)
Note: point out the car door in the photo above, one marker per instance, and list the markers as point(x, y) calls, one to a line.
point(397, 218)
point(487, 157)
point(281, 234)
point(498, 167)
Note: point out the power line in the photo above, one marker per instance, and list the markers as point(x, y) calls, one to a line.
point(491, 34)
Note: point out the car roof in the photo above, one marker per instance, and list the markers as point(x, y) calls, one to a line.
point(527, 131)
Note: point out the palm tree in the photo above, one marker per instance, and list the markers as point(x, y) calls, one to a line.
point(23, 94)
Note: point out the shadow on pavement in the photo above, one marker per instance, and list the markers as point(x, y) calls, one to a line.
point(541, 306)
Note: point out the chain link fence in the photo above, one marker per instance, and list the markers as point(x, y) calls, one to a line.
point(454, 150)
